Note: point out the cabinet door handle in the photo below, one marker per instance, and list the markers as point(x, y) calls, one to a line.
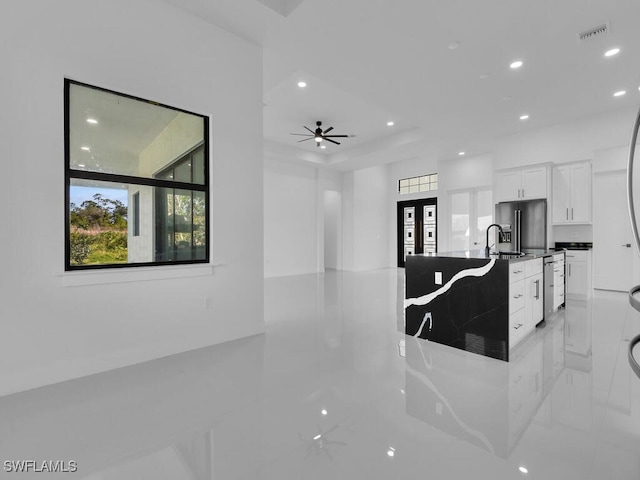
point(517, 326)
point(569, 269)
point(567, 213)
point(571, 213)
point(628, 245)
point(537, 289)
point(523, 193)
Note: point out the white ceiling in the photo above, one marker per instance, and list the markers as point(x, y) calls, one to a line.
point(370, 61)
point(132, 123)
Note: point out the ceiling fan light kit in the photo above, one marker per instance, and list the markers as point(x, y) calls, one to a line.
point(319, 135)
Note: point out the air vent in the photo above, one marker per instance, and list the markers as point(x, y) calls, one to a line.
point(599, 31)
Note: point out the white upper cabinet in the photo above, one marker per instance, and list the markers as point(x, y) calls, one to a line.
point(521, 184)
point(572, 193)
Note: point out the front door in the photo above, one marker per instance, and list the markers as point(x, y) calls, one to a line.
point(417, 227)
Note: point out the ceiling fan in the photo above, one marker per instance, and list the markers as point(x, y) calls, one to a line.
point(319, 135)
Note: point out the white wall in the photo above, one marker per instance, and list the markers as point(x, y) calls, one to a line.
point(290, 219)
point(52, 331)
point(366, 219)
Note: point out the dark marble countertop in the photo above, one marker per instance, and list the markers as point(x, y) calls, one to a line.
point(528, 254)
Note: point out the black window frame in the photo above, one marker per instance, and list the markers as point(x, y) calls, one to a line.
point(71, 174)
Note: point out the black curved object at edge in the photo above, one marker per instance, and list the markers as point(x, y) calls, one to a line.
point(635, 303)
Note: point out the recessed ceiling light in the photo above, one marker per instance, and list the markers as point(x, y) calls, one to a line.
point(324, 411)
point(523, 469)
point(391, 452)
point(516, 64)
point(524, 117)
point(302, 84)
point(86, 149)
point(619, 93)
point(390, 124)
point(93, 121)
point(323, 146)
point(461, 153)
point(612, 52)
point(318, 437)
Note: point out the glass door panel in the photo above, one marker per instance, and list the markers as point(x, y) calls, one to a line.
point(417, 228)
point(460, 220)
point(484, 216)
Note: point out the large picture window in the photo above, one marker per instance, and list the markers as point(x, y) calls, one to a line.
point(137, 181)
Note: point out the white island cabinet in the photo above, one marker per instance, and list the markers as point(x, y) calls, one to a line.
point(526, 298)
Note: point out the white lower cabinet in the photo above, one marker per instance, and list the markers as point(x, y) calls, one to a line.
point(558, 281)
point(526, 304)
point(578, 276)
point(534, 300)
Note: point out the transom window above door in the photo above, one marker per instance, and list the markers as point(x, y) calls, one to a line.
point(424, 183)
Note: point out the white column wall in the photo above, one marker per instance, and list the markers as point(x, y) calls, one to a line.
point(52, 331)
point(365, 219)
point(290, 218)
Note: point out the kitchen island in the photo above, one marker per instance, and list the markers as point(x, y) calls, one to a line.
point(485, 304)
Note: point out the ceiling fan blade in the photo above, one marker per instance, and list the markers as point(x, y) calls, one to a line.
point(304, 140)
point(327, 130)
point(301, 134)
point(332, 141)
point(310, 130)
point(335, 136)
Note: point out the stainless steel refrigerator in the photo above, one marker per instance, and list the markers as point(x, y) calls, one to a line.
point(524, 225)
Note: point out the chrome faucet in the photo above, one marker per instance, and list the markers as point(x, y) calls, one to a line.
point(487, 250)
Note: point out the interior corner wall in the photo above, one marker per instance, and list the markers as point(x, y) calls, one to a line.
point(51, 331)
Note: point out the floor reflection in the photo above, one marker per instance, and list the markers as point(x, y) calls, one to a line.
point(479, 400)
point(154, 414)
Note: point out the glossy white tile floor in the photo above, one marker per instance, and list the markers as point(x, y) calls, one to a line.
point(335, 390)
